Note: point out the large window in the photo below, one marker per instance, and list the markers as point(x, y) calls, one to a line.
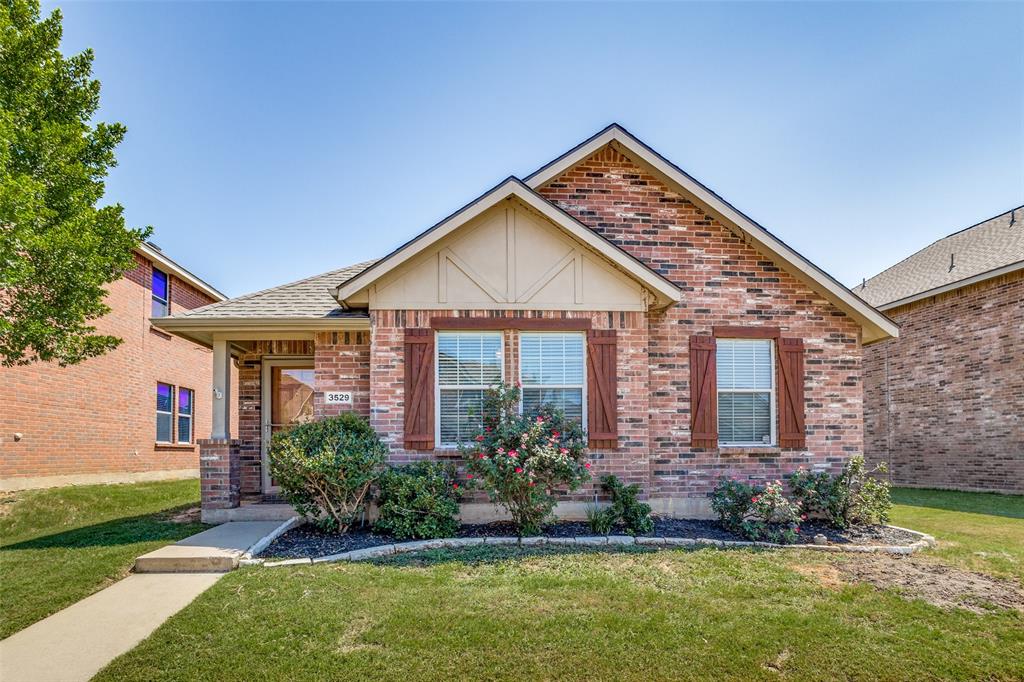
point(160, 294)
point(164, 412)
point(746, 392)
point(186, 399)
point(468, 363)
point(551, 370)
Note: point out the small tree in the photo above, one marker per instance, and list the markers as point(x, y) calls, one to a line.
point(523, 460)
point(325, 468)
point(57, 249)
point(854, 497)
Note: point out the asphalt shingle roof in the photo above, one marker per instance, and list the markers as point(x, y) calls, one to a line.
point(308, 297)
point(981, 248)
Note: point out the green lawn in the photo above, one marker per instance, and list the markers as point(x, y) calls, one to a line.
point(495, 613)
point(62, 544)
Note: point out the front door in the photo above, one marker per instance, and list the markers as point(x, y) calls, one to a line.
point(288, 388)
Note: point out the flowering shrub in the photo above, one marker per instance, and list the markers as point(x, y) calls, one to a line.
point(523, 460)
point(325, 468)
point(757, 512)
point(854, 497)
point(420, 500)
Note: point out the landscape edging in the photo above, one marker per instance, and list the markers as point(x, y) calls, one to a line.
point(924, 542)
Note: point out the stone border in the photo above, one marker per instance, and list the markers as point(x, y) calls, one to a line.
point(924, 542)
point(247, 558)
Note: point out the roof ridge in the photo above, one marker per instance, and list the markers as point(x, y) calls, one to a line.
point(863, 285)
point(253, 294)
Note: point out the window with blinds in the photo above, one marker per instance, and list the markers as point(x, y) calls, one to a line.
point(164, 412)
point(186, 403)
point(551, 370)
point(468, 363)
point(746, 391)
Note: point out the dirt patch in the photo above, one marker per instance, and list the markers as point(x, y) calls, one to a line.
point(936, 583)
point(190, 515)
point(7, 504)
point(826, 574)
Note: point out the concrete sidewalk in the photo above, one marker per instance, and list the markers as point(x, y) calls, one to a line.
point(217, 549)
point(74, 644)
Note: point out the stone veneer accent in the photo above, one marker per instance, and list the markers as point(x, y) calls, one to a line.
point(944, 403)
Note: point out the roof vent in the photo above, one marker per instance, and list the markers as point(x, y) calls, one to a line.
point(951, 265)
point(1013, 217)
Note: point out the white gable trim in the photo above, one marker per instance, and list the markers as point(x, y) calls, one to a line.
point(664, 291)
point(876, 325)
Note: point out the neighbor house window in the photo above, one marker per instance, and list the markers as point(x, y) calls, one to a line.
point(160, 298)
point(186, 399)
point(551, 370)
point(746, 391)
point(164, 412)
point(468, 363)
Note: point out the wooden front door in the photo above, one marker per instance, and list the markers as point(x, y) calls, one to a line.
point(288, 389)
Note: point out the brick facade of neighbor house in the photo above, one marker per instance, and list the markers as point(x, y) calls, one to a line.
point(944, 403)
point(96, 421)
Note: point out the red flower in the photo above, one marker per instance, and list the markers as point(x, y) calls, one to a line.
point(469, 475)
point(531, 484)
point(513, 453)
point(455, 485)
point(483, 456)
point(755, 498)
point(586, 464)
point(555, 434)
point(479, 438)
point(797, 529)
point(519, 470)
point(519, 384)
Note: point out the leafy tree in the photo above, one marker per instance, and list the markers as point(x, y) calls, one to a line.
point(57, 248)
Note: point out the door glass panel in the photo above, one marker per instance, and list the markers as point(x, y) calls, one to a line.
point(292, 390)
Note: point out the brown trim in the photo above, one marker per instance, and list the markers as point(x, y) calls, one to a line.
point(158, 446)
point(736, 332)
point(502, 323)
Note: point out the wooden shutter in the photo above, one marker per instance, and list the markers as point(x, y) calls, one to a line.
point(791, 393)
point(419, 389)
point(602, 389)
point(703, 393)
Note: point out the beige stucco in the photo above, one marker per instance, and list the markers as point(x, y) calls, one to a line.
point(508, 257)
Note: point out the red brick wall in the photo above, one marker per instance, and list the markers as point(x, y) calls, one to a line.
point(99, 417)
point(725, 281)
point(944, 403)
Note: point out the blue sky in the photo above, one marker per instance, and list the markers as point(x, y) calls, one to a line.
point(271, 141)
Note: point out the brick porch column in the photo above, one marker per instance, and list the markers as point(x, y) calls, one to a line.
point(220, 473)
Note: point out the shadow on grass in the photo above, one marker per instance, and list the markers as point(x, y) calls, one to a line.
point(123, 531)
point(990, 504)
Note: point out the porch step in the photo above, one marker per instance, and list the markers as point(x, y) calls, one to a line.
point(216, 550)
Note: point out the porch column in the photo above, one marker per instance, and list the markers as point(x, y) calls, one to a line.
point(221, 390)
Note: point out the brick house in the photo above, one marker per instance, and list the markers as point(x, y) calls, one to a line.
point(944, 403)
point(689, 341)
point(135, 413)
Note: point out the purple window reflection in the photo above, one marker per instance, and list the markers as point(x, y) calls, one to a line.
point(163, 397)
point(184, 401)
point(159, 293)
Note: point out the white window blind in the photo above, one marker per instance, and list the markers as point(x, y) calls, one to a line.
point(551, 370)
point(164, 412)
point(746, 391)
point(468, 363)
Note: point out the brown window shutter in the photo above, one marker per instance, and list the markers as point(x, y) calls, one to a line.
point(703, 393)
point(602, 389)
point(419, 389)
point(791, 393)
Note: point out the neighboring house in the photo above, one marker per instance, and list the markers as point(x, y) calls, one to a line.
point(690, 341)
point(944, 403)
point(135, 413)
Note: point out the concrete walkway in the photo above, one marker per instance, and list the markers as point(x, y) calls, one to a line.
point(74, 644)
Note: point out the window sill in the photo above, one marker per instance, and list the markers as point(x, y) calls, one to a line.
point(749, 449)
point(174, 446)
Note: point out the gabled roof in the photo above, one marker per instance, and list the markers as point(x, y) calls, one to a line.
point(876, 326)
point(156, 255)
point(664, 291)
point(990, 248)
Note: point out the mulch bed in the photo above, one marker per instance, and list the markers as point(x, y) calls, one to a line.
point(306, 541)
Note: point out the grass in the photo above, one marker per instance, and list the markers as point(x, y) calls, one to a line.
point(547, 613)
point(976, 531)
point(60, 545)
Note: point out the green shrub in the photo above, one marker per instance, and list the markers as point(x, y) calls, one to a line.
point(854, 497)
point(756, 512)
point(601, 519)
point(325, 468)
point(524, 460)
point(626, 509)
point(419, 501)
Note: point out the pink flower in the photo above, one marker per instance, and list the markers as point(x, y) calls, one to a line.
point(803, 517)
point(531, 484)
point(479, 438)
point(455, 485)
point(519, 384)
point(586, 464)
point(519, 470)
point(797, 529)
point(563, 451)
point(513, 453)
point(555, 434)
point(469, 476)
point(755, 498)
point(501, 450)
point(540, 419)
point(483, 456)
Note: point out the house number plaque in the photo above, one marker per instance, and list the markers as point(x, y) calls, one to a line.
point(338, 397)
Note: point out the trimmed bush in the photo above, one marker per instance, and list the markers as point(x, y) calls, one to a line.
point(757, 512)
point(854, 497)
point(419, 501)
point(524, 460)
point(626, 509)
point(326, 468)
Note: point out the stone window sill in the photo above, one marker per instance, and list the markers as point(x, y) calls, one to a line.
point(767, 450)
point(174, 446)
